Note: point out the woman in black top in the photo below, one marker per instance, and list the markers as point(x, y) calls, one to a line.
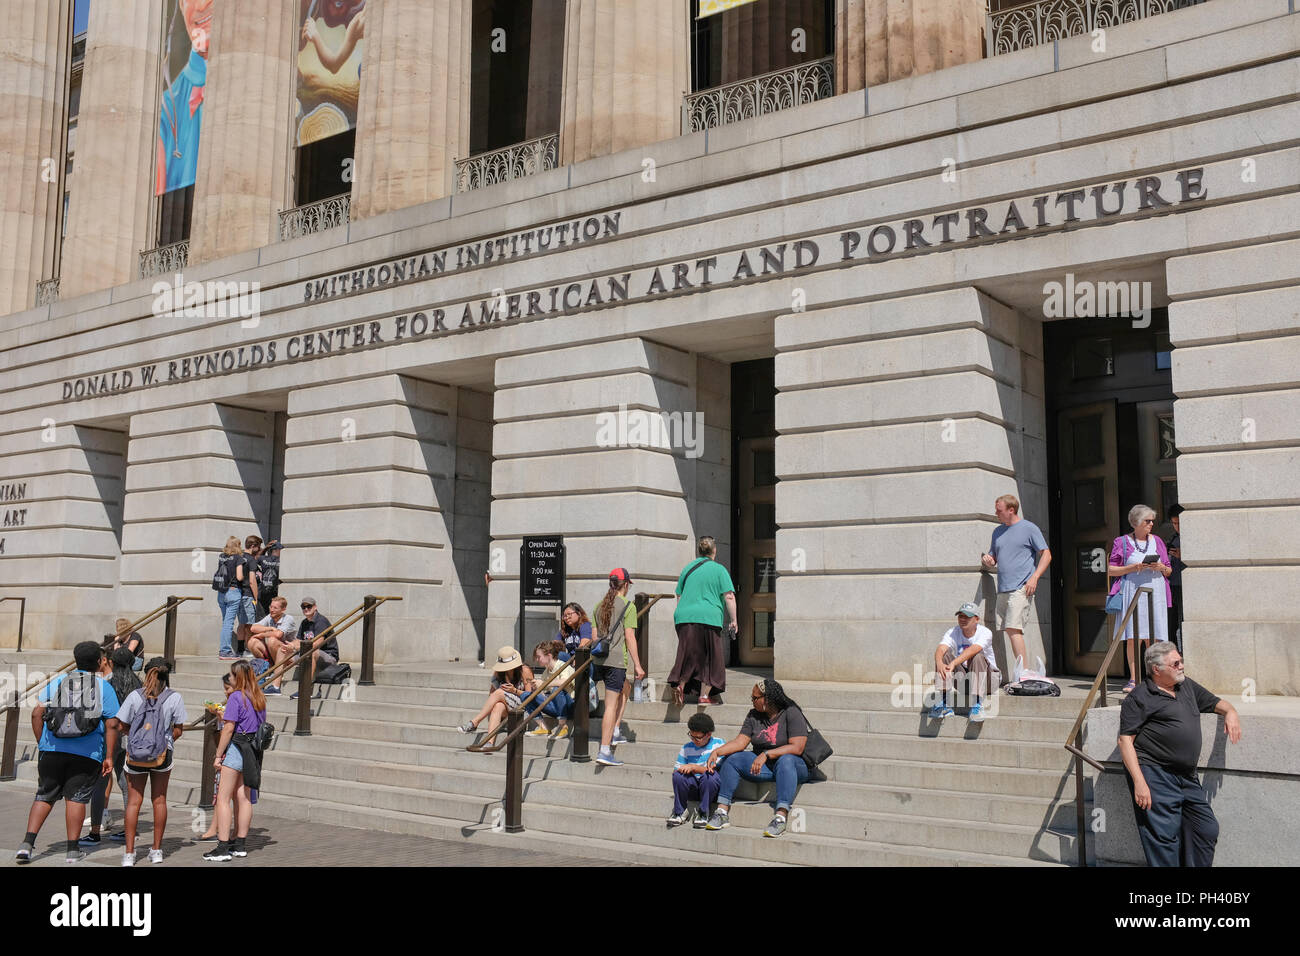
point(778, 731)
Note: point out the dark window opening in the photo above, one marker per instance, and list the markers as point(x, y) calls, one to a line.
point(516, 68)
point(174, 211)
point(325, 168)
point(758, 38)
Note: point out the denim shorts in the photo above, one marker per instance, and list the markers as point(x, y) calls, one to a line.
point(247, 610)
point(234, 759)
point(614, 678)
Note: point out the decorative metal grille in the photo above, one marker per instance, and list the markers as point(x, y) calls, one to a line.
point(315, 216)
point(47, 291)
point(164, 259)
point(1042, 22)
point(511, 162)
point(765, 93)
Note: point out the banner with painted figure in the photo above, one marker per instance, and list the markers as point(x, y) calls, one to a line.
point(330, 45)
point(185, 75)
point(709, 7)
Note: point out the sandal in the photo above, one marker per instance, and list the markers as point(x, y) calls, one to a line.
point(1128, 688)
point(679, 695)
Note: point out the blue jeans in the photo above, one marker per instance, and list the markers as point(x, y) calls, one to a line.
point(1180, 829)
point(231, 601)
point(790, 772)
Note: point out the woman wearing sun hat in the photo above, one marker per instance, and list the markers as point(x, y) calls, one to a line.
point(512, 681)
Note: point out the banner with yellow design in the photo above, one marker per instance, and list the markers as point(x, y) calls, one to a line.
point(709, 7)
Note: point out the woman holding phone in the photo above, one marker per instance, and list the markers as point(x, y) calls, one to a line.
point(1140, 560)
point(512, 680)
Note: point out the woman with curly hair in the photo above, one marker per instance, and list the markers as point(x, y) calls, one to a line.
point(779, 732)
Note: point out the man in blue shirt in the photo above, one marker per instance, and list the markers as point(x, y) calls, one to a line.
point(71, 766)
point(1012, 552)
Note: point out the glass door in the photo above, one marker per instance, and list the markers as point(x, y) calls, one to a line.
point(756, 551)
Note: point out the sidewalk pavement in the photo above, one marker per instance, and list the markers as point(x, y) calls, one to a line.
point(272, 841)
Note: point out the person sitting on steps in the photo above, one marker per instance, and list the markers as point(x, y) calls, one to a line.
point(512, 681)
point(553, 721)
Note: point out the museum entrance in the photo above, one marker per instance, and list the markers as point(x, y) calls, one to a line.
point(1111, 445)
point(753, 430)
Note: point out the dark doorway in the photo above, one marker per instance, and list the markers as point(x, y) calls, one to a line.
point(753, 496)
point(1111, 445)
point(325, 168)
point(516, 69)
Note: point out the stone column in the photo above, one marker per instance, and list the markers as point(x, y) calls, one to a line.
point(117, 137)
point(195, 475)
point(33, 97)
point(1235, 325)
point(60, 531)
point(246, 144)
point(882, 40)
point(905, 436)
point(576, 455)
point(413, 115)
point(374, 472)
point(626, 68)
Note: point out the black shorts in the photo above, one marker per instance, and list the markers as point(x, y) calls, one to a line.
point(614, 678)
point(164, 767)
point(70, 776)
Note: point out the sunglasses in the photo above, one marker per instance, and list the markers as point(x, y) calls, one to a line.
point(306, 607)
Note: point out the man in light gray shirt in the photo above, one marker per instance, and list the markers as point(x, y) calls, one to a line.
point(1013, 551)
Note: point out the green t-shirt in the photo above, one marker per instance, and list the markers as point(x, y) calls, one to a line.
point(701, 602)
point(629, 620)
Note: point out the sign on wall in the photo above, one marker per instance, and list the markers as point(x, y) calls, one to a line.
point(541, 568)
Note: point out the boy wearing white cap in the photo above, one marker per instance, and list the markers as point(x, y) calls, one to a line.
point(966, 649)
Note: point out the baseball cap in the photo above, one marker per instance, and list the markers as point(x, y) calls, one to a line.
point(308, 600)
point(969, 609)
point(620, 574)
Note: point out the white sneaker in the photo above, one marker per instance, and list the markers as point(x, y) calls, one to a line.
point(128, 859)
point(155, 856)
point(677, 819)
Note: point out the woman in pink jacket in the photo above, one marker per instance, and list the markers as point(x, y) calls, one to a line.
point(1140, 560)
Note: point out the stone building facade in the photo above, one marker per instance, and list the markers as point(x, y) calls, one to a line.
point(851, 297)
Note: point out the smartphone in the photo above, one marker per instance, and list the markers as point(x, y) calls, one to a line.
point(1151, 559)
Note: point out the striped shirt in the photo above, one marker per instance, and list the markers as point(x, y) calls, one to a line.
point(691, 754)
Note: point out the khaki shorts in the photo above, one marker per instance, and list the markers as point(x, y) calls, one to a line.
point(1013, 610)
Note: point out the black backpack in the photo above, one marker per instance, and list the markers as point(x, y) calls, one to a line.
point(223, 579)
point(270, 574)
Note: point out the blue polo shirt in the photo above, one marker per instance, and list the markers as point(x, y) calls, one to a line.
point(178, 131)
point(91, 745)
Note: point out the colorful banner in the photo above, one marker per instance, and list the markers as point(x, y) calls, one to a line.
point(185, 75)
point(709, 7)
point(330, 46)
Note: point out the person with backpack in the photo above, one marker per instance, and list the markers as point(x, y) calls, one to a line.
point(616, 620)
point(153, 717)
point(229, 581)
point(704, 588)
point(268, 576)
point(239, 761)
point(75, 722)
point(123, 679)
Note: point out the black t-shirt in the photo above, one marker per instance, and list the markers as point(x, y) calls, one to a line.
point(250, 569)
point(307, 630)
point(768, 733)
point(126, 642)
point(1166, 730)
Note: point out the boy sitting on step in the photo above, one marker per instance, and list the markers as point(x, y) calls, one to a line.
point(692, 780)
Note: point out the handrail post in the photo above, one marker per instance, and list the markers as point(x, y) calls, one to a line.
point(514, 800)
point(367, 643)
point(642, 635)
point(306, 677)
point(169, 635)
point(207, 800)
point(9, 757)
point(1081, 825)
point(580, 744)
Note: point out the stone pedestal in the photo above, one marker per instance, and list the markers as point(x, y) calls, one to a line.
point(626, 68)
point(60, 532)
point(117, 138)
point(878, 41)
point(413, 115)
point(386, 492)
point(246, 146)
point(1235, 326)
point(898, 424)
point(575, 440)
point(33, 94)
point(195, 475)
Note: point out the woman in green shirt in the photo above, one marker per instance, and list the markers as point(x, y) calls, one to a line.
point(703, 589)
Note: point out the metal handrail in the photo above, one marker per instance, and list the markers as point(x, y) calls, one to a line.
point(522, 709)
point(22, 615)
point(1099, 684)
point(335, 628)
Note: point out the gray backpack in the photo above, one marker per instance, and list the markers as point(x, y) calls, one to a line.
point(77, 708)
point(149, 733)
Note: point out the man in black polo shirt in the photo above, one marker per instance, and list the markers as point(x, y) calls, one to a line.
point(313, 623)
point(1160, 741)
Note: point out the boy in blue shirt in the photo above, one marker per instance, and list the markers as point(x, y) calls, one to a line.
point(692, 780)
point(71, 766)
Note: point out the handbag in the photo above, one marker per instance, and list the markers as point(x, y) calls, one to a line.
point(815, 748)
point(602, 648)
point(1115, 603)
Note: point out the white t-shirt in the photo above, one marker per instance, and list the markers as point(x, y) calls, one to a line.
point(287, 625)
point(173, 711)
point(959, 643)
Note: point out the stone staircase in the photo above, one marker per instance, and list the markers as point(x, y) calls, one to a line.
point(902, 790)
